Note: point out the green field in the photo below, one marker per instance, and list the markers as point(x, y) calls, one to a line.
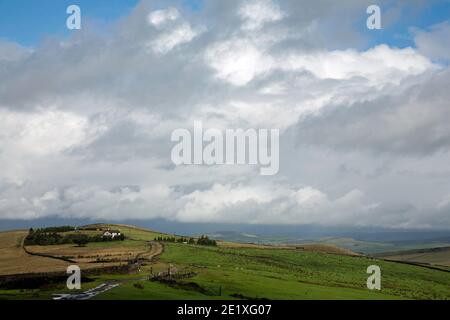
point(260, 273)
point(286, 274)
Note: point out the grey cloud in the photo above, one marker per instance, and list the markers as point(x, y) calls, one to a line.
point(412, 121)
point(434, 42)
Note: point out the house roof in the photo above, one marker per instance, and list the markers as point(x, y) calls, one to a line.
point(112, 231)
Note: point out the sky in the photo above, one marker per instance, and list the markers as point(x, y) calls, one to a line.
point(28, 22)
point(86, 115)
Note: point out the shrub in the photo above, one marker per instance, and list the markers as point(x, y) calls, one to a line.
point(138, 285)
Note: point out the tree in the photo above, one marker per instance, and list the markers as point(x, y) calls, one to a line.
point(81, 240)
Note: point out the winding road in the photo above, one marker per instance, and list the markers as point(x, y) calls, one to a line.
point(87, 294)
point(156, 249)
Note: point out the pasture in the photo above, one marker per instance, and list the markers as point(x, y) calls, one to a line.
point(229, 271)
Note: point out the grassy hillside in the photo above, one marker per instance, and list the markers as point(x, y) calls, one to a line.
point(372, 247)
point(237, 271)
point(360, 246)
point(282, 273)
point(435, 256)
point(288, 274)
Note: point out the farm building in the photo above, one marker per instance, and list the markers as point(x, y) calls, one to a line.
point(111, 233)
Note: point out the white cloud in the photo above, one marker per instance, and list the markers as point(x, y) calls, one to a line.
point(179, 35)
point(238, 61)
point(275, 204)
point(256, 13)
point(172, 35)
point(89, 202)
point(41, 133)
point(379, 65)
point(160, 17)
point(310, 198)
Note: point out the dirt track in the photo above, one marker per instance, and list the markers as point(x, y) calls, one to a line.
point(155, 250)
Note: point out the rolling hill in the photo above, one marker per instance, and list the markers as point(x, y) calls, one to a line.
point(434, 256)
point(177, 270)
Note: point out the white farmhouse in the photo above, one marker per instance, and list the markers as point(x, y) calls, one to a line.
point(111, 233)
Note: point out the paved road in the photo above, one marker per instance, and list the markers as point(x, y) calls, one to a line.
point(87, 294)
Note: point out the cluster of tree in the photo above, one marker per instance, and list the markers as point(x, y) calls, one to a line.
point(203, 240)
point(173, 239)
point(49, 236)
point(55, 229)
point(42, 238)
point(90, 229)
